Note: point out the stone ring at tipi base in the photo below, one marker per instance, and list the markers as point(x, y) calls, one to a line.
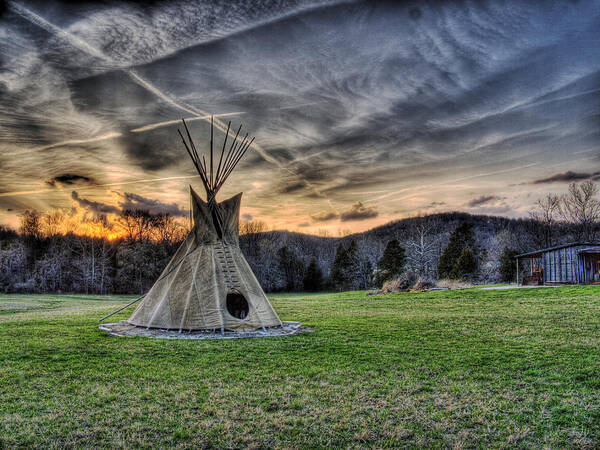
point(126, 329)
point(207, 290)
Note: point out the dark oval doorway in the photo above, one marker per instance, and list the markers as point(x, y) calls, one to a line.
point(237, 305)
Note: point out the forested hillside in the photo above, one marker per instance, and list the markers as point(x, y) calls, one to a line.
point(38, 259)
point(52, 252)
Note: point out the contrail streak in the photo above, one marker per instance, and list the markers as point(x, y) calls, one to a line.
point(489, 173)
point(92, 51)
point(80, 141)
point(92, 186)
point(148, 127)
point(153, 126)
point(138, 79)
point(51, 28)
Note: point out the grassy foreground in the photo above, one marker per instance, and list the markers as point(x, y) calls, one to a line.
point(451, 368)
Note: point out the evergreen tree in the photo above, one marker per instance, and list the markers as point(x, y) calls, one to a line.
point(465, 266)
point(508, 269)
point(291, 267)
point(313, 279)
point(352, 267)
point(346, 268)
point(391, 263)
point(336, 278)
point(353, 271)
point(461, 238)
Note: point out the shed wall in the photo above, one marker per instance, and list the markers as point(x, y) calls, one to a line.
point(562, 266)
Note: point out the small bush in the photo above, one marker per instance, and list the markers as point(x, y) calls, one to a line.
point(423, 284)
point(402, 282)
point(409, 280)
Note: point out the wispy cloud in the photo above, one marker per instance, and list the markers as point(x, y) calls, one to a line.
point(123, 183)
point(149, 86)
point(393, 105)
point(568, 177)
point(482, 200)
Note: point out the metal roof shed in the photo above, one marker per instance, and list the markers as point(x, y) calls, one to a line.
point(574, 263)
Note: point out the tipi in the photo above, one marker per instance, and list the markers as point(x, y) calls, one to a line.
point(208, 285)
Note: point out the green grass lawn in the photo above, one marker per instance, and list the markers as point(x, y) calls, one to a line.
point(446, 368)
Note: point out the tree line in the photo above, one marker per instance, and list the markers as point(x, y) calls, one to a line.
point(51, 253)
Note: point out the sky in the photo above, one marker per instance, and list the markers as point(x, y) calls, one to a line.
point(362, 112)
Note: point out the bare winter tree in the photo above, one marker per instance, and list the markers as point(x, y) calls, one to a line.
point(253, 227)
point(90, 261)
point(422, 246)
point(136, 224)
point(253, 232)
point(166, 229)
point(13, 266)
point(52, 223)
point(31, 224)
point(493, 247)
point(545, 215)
point(367, 261)
point(581, 209)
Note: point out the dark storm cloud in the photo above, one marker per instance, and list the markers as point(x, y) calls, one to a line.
point(358, 211)
point(134, 202)
point(482, 200)
point(68, 179)
point(324, 216)
point(93, 206)
point(129, 201)
point(293, 187)
point(568, 177)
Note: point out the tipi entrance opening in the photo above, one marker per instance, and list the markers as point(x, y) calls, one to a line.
point(237, 305)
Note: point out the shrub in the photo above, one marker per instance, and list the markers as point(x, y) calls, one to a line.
point(423, 284)
point(409, 280)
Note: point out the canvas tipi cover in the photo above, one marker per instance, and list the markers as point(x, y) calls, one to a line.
point(207, 285)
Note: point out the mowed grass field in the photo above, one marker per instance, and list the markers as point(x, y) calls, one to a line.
point(464, 368)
